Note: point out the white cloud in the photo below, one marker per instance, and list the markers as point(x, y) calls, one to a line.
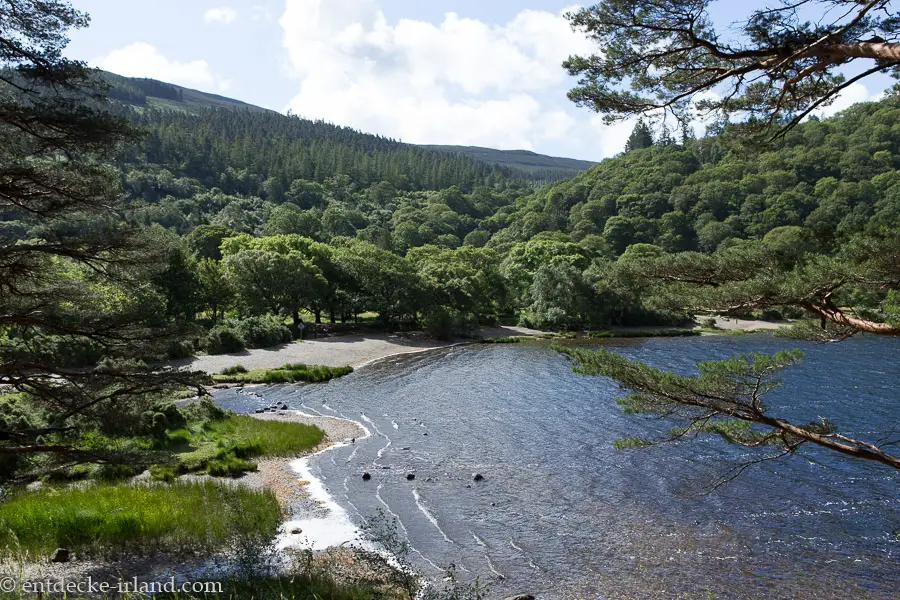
point(460, 81)
point(143, 60)
point(222, 14)
point(853, 93)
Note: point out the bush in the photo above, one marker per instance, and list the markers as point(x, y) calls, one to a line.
point(262, 332)
point(203, 411)
point(710, 323)
point(180, 349)
point(771, 314)
point(443, 324)
point(235, 370)
point(223, 340)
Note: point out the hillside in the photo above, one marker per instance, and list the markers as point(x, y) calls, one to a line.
point(539, 166)
point(518, 164)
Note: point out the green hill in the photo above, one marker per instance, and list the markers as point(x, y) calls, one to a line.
point(519, 164)
point(540, 166)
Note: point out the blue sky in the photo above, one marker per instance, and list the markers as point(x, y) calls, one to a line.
point(473, 72)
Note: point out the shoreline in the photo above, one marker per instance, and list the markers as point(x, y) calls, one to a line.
point(361, 350)
point(355, 350)
point(322, 522)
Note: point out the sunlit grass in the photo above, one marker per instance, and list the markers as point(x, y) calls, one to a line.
point(102, 517)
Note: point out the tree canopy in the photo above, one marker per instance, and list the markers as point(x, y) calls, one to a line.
point(774, 68)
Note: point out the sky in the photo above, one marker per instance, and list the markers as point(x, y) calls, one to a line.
point(465, 72)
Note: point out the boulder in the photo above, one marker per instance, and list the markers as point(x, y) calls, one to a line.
point(367, 476)
point(284, 407)
point(260, 411)
point(477, 477)
point(410, 476)
point(296, 531)
point(520, 597)
point(60, 555)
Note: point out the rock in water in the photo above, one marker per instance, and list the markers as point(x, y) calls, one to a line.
point(521, 597)
point(477, 477)
point(367, 476)
point(410, 476)
point(60, 555)
point(296, 531)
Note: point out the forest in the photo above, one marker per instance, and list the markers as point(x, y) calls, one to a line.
point(271, 215)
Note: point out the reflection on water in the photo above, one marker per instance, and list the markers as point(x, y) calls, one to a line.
point(562, 514)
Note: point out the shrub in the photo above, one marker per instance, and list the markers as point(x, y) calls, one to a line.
point(709, 323)
point(203, 411)
point(223, 340)
point(771, 314)
point(234, 370)
point(180, 349)
point(263, 332)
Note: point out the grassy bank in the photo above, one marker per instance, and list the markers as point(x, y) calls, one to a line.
point(96, 519)
point(502, 340)
point(290, 373)
point(223, 447)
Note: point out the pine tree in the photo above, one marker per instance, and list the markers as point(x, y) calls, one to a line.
point(641, 137)
point(72, 279)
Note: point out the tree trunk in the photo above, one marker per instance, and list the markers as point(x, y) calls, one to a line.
point(331, 316)
point(318, 313)
point(296, 316)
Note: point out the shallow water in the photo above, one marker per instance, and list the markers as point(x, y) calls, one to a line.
point(562, 514)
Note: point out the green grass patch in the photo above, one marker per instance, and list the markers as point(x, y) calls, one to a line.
point(224, 448)
point(503, 340)
point(103, 517)
point(290, 373)
point(235, 370)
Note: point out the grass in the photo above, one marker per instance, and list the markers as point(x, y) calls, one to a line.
point(290, 373)
point(223, 448)
point(183, 516)
point(503, 340)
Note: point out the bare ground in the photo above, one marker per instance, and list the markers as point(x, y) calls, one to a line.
point(337, 351)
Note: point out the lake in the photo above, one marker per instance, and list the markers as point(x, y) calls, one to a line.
point(562, 514)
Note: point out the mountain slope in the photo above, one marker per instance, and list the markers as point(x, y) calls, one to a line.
point(540, 166)
point(519, 164)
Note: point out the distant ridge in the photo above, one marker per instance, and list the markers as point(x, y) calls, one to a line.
point(151, 93)
point(522, 160)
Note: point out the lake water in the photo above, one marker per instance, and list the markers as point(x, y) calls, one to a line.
point(561, 514)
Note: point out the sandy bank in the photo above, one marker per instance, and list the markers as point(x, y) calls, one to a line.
point(337, 351)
